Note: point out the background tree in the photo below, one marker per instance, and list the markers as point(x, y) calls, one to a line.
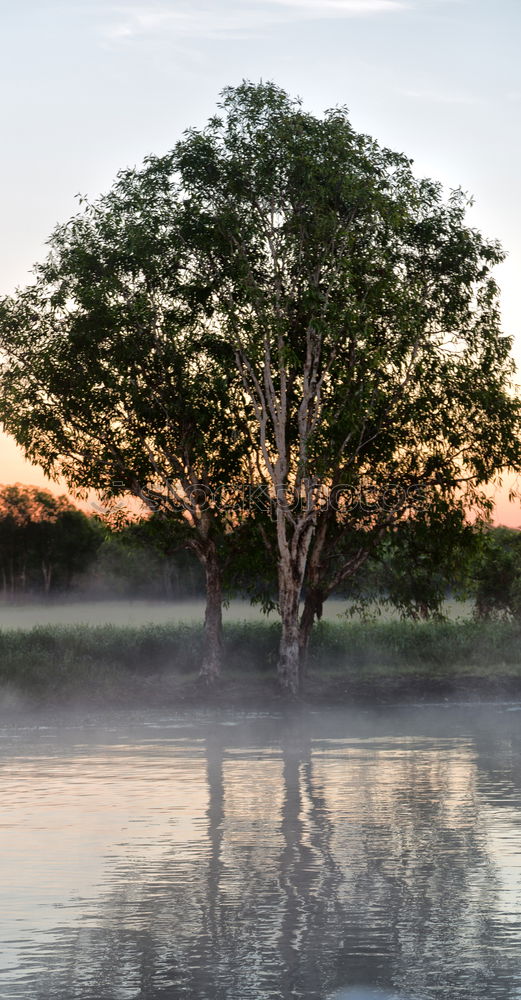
point(148, 557)
point(44, 541)
point(497, 575)
point(420, 562)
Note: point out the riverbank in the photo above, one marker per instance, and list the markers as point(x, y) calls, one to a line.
point(376, 662)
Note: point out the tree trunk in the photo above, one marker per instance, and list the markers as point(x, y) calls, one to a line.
point(293, 554)
point(288, 665)
point(47, 576)
point(313, 605)
point(213, 626)
point(315, 595)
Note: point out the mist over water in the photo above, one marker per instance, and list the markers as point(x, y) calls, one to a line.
point(331, 855)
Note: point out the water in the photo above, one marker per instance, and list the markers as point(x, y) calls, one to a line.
point(331, 855)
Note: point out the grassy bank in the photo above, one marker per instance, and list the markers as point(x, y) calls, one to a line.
point(159, 662)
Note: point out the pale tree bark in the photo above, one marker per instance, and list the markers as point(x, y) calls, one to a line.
point(294, 527)
point(289, 597)
point(213, 626)
point(293, 557)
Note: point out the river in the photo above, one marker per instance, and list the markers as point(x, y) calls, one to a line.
point(368, 855)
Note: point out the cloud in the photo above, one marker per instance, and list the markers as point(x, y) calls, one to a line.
point(228, 18)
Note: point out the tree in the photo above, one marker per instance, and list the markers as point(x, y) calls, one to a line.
point(110, 380)
point(364, 320)
point(421, 560)
point(145, 557)
point(497, 575)
point(44, 540)
point(68, 547)
point(279, 299)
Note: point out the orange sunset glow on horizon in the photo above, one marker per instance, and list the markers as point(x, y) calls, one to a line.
point(14, 468)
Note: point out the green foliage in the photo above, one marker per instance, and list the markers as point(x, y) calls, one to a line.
point(364, 315)
point(430, 648)
point(45, 543)
point(298, 223)
point(497, 575)
point(111, 378)
point(279, 299)
point(154, 662)
point(250, 562)
point(422, 559)
point(147, 557)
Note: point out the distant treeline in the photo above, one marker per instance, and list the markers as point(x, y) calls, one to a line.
point(48, 546)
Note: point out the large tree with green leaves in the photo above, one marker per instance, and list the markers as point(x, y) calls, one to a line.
point(110, 380)
point(363, 314)
point(279, 297)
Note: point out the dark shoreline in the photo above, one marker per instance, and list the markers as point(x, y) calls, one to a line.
point(263, 694)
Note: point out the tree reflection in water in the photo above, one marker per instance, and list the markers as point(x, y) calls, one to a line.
point(327, 867)
point(361, 993)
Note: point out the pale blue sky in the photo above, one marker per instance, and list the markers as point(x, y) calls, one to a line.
point(90, 87)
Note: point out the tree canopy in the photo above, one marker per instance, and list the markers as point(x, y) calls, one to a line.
point(363, 313)
point(112, 381)
point(279, 300)
point(44, 540)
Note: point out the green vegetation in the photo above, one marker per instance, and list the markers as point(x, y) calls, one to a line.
point(278, 304)
point(44, 541)
point(160, 663)
point(47, 546)
point(497, 575)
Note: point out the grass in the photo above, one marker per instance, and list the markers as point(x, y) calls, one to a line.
point(429, 648)
point(59, 662)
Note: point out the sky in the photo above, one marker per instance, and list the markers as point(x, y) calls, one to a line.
point(92, 87)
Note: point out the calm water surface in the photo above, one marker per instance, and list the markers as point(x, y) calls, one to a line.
point(354, 856)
